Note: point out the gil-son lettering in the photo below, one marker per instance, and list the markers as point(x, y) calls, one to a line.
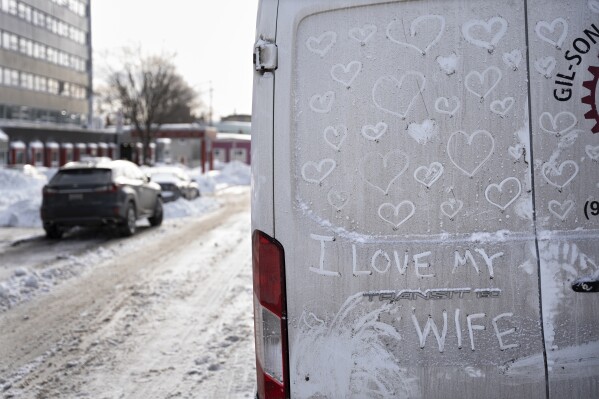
point(580, 46)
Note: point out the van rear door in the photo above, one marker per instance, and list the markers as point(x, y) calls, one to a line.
point(564, 71)
point(429, 247)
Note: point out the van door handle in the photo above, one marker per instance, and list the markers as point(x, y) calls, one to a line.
point(586, 284)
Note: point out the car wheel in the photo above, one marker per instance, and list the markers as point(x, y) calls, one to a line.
point(53, 232)
point(192, 194)
point(129, 226)
point(156, 219)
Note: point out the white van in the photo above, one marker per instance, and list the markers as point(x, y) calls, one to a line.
point(426, 199)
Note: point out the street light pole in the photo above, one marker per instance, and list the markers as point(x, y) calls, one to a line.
point(207, 163)
point(209, 140)
point(210, 90)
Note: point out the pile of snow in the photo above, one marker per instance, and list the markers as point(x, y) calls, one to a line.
point(21, 198)
point(234, 173)
point(182, 207)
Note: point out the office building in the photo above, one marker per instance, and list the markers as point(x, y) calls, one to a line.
point(45, 63)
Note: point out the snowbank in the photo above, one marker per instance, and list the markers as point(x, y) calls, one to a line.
point(231, 174)
point(234, 174)
point(21, 199)
point(183, 208)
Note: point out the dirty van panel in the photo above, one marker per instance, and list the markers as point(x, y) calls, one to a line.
point(411, 135)
point(404, 209)
point(564, 58)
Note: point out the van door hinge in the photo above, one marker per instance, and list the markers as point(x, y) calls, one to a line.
point(265, 56)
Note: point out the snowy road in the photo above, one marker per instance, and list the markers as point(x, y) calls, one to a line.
point(164, 314)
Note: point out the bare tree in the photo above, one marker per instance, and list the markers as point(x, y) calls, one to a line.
point(149, 91)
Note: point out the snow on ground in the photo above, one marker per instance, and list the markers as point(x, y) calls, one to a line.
point(19, 207)
point(165, 313)
point(22, 193)
point(25, 283)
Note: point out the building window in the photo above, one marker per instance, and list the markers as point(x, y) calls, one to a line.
point(40, 51)
point(39, 18)
point(239, 154)
point(26, 81)
point(63, 29)
point(12, 7)
point(52, 55)
point(11, 77)
point(42, 115)
point(40, 83)
point(51, 24)
point(10, 41)
point(52, 86)
point(24, 11)
point(26, 47)
point(219, 154)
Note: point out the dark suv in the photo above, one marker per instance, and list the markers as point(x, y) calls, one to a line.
point(100, 193)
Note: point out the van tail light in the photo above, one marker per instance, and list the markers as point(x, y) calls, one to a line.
point(270, 317)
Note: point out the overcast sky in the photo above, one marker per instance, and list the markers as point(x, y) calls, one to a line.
point(213, 41)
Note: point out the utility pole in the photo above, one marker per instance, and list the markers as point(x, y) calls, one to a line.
point(210, 91)
point(207, 160)
point(210, 124)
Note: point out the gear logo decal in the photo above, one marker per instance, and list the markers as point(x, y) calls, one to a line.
point(592, 99)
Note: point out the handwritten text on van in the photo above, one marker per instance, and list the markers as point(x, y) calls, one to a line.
point(382, 261)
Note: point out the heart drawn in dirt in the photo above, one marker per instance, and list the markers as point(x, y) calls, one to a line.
point(396, 215)
point(468, 152)
point(428, 175)
point(485, 34)
point(313, 172)
point(380, 171)
point(321, 44)
point(425, 32)
point(396, 96)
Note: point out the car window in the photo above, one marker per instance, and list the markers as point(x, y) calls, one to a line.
point(82, 176)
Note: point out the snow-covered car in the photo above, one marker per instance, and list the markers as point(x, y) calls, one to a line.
point(425, 199)
point(103, 193)
point(175, 183)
